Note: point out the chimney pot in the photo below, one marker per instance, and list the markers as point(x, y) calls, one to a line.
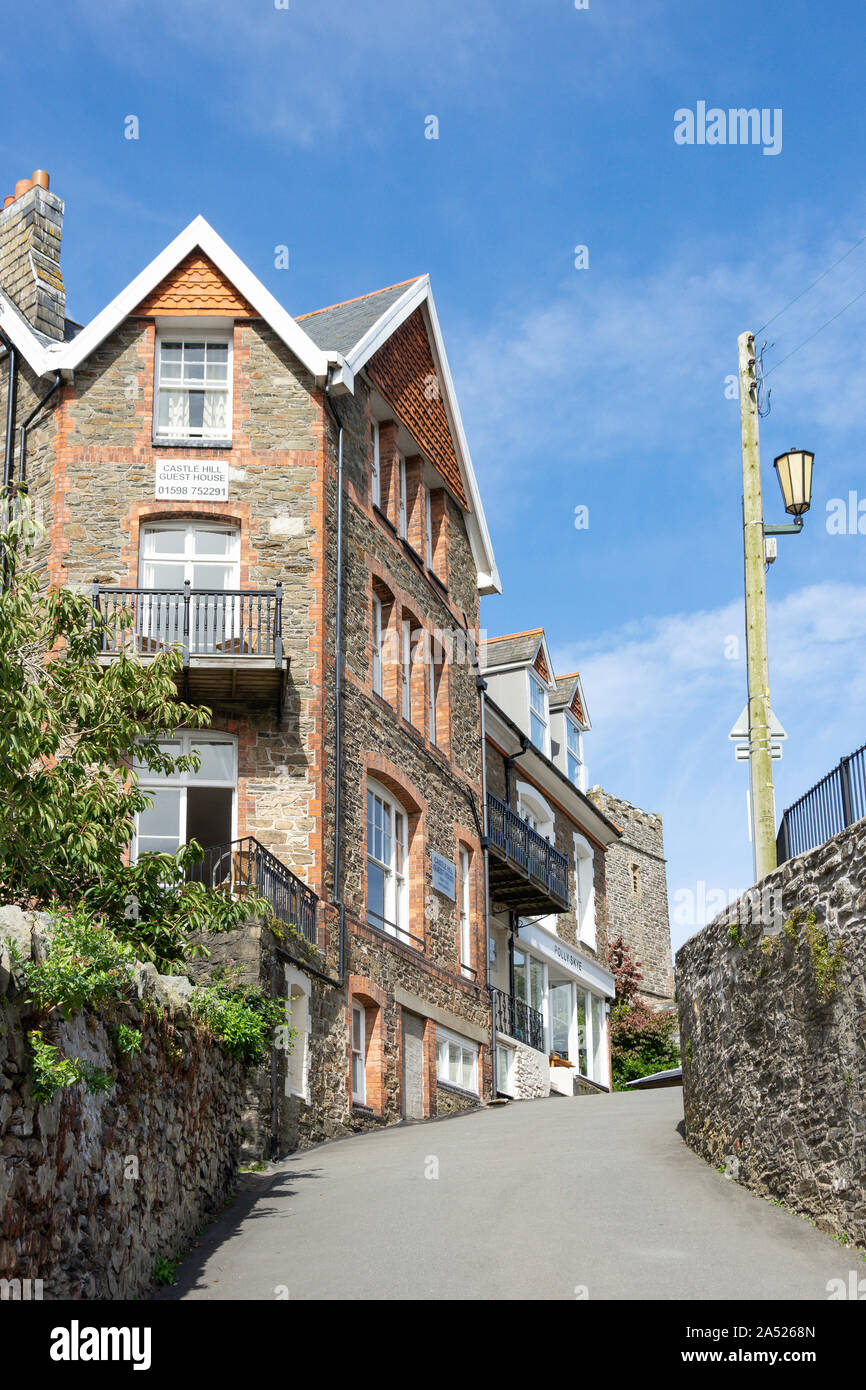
point(23, 186)
point(40, 177)
point(10, 198)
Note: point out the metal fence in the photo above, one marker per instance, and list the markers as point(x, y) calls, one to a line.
point(525, 847)
point(517, 1019)
point(837, 801)
point(244, 867)
point(203, 622)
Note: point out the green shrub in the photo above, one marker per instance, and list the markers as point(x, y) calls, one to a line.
point(642, 1042)
point(244, 1019)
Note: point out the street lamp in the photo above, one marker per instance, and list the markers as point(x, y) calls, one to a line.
point(794, 471)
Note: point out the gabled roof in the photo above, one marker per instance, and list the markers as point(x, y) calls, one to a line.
point(569, 695)
point(342, 326)
point(515, 649)
point(333, 344)
point(65, 357)
point(376, 319)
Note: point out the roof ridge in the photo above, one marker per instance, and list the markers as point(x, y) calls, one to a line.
point(508, 636)
point(341, 303)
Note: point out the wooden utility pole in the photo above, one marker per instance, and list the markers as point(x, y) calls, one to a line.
point(757, 666)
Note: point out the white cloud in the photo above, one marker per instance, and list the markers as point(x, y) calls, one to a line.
point(662, 697)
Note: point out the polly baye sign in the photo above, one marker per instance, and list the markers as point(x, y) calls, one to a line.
point(192, 480)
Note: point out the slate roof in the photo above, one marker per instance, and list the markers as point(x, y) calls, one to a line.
point(339, 327)
point(510, 650)
point(564, 693)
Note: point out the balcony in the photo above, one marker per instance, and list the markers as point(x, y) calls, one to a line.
point(246, 869)
point(231, 640)
point(527, 875)
point(517, 1019)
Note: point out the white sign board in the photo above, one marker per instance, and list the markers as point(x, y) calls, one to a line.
point(444, 876)
point(192, 480)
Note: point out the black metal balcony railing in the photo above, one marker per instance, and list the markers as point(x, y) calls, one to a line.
point(517, 1019)
point(834, 803)
point(246, 868)
point(203, 622)
point(526, 848)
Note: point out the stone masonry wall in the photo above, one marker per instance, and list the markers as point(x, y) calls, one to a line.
point(774, 1036)
point(94, 1187)
point(637, 897)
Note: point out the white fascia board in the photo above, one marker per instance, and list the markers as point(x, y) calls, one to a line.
point(23, 339)
point(420, 295)
point(379, 332)
point(551, 684)
point(587, 723)
point(479, 536)
point(198, 235)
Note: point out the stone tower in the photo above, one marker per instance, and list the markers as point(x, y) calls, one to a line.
point(637, 899)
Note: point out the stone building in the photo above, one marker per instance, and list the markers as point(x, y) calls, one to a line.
point(223, 471)
point(292, 502)
point(637, 895)
point(549, 920)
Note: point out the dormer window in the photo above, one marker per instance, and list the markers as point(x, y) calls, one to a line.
point(193, 387)
point(538, 715)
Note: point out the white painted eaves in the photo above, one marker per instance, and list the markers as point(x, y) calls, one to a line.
point(199, 235)
point(419, 295)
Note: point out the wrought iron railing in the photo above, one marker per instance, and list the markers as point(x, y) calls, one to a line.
point(246, 868)
point(526, 848)
point(202, 622)
point(834, 803)
point(517, 1019)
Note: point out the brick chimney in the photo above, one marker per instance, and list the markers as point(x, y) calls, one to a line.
point(31, 223)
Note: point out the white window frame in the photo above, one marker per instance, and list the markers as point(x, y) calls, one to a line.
point(404, 506)
point(222, 337)
point(298, 1017)
point(445, 1041)
point(378, 684)
point(395, 869)
point(359, 1053)
point(573, 731)
point(149, 552)
point(428, 528)
point(406, 669)
point(434, 691)
point(376, 474)
point(464, 860)
point(184, 741)
point(584, 891)
point(536, 683)
point(504, 1082)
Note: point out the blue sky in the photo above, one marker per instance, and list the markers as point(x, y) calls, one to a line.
point(602, 387)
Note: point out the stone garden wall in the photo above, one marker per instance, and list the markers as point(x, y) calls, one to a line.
point(93, 1188)
point(772, 1007)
